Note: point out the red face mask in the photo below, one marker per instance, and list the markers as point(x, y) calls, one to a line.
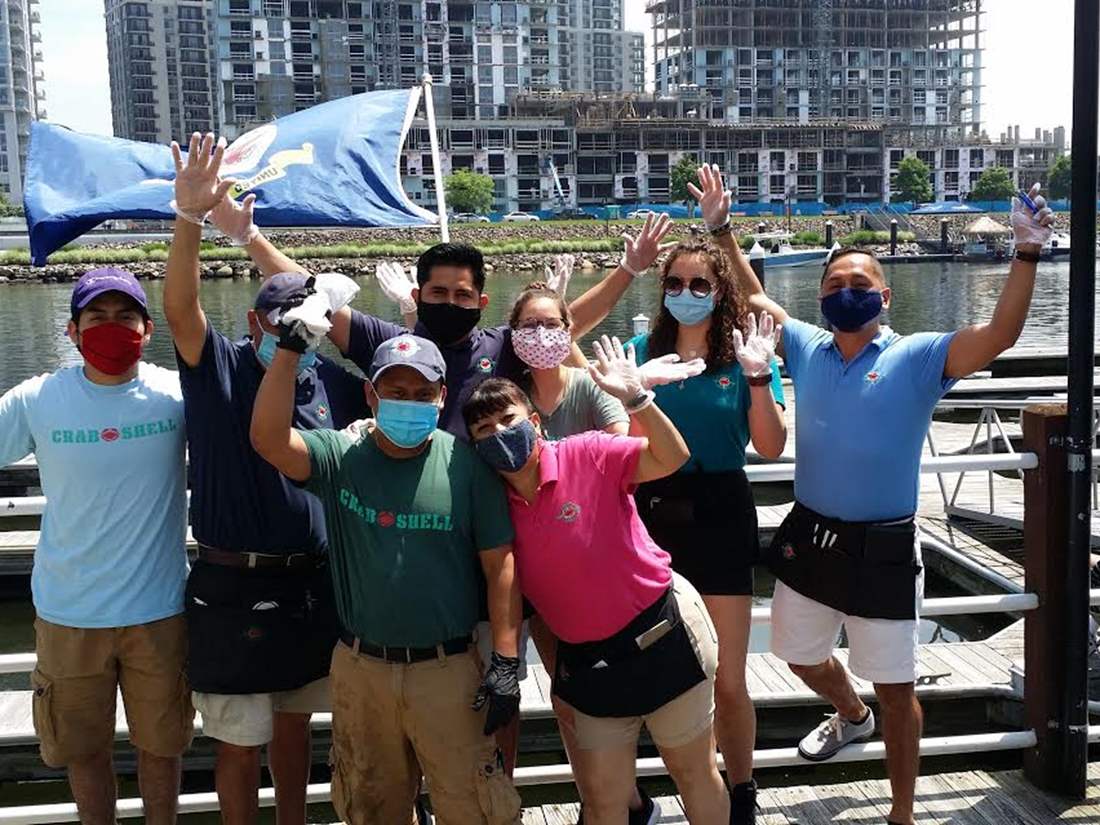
point(111, 348)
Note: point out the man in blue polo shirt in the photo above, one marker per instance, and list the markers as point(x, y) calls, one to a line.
point(259, 601)
point(848, 555)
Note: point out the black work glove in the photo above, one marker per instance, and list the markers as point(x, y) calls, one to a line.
point(500, 690)
point(291, 336)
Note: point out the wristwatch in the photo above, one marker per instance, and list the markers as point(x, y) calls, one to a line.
point(1027, 257)
point(759, 380)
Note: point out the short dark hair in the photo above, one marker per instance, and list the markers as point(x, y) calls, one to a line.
point(491, 396)
point(844, 252)
point(451, 254)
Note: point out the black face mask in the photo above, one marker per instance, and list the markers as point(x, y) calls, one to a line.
point(447, 323)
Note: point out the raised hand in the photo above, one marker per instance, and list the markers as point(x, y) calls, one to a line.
point(1032, 228)
point(755, 352)
point(641, 251)
point(668, 369)
point(558, 277)
point(234, 220)
point(397, 285)
point(714, 199)
point(198, 187)
point(616, 370)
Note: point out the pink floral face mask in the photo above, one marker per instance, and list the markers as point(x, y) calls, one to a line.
point(542, 348)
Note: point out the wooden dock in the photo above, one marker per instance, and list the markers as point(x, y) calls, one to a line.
point(968, 798)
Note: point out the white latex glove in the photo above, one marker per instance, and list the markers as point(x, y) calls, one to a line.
point(756, 350)
point(641, 251)
point(1031, 228)
point(397, 284)
point(714, 199)
point(198, 187)
point(310, 319)
point(668, 369)
point(616, 371)
point(234, 220)
point(558, 277)
point(339, 289)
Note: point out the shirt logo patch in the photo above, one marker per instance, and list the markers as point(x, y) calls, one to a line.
point(322, 411)
point(724, 382)
point(569, 512)
point(386, 519)
point(788, 552)
point(485, 365)
point(873, 377)
point(109, 434)
point(436, 522)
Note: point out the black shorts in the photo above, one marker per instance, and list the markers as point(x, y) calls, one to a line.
point(707, 523)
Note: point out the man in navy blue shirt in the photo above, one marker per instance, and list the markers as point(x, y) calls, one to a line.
point(259, 603)
point(849, 554)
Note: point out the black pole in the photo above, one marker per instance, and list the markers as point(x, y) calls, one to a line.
point(1073, 719)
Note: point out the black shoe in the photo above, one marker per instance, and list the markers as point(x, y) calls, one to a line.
point(422, 815)
point(743, 803)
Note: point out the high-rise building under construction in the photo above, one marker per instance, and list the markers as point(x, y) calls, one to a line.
point(905, 62)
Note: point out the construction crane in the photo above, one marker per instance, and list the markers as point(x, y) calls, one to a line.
point(557, 181)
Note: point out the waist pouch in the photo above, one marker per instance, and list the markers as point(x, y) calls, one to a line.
point(260, 630)
point(866, 569)
point(630, 680)
point(678, 509)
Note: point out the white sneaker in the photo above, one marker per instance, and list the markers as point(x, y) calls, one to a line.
point(826, 740)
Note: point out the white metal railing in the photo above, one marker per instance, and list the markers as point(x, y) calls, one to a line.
point(558, 774)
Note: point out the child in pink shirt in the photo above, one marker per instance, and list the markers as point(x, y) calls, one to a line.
point(637, 645)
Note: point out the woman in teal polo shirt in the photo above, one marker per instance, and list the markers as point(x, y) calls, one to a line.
point(704, 515)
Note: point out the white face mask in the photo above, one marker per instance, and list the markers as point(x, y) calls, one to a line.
point(542, 348)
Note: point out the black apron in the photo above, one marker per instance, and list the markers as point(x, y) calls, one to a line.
point(615, 677)
point(259, 630)
point(865, 569)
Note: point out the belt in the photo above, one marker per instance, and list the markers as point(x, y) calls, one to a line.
point(406, 655)
point(229, 558)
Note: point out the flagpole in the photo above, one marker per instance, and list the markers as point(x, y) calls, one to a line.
point(437, 165)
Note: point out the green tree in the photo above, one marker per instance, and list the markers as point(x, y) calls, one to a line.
point(9, 209)
point(995, 184)
point(468, 191)
point(684, 172)
point(912, 181)
point(1061, 178)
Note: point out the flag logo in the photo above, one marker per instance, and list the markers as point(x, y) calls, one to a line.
point(246, 151)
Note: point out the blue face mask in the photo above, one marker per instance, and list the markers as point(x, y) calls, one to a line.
point(508, 450)
point(850, 310)
point(407, 423)
point(690, 309)
point(266, 353)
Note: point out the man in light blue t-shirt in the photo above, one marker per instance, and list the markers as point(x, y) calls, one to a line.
point(848, 555)
point(111, 563)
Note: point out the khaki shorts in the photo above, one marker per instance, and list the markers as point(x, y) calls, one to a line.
point(79, 674)
point(248, 719)
point(675, 723)
point(392, 721)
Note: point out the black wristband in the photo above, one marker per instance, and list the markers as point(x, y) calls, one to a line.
point(759, 380)
point(722, 229)
point(1027, 257)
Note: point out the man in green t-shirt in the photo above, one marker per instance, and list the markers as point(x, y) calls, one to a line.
point(407, 507)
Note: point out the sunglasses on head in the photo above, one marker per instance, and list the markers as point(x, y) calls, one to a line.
point(698, 286)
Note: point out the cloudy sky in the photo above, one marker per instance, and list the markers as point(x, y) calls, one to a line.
point(1027, 79)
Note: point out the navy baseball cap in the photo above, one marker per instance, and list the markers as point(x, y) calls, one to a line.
point(409, 351)
point(280, 290)
point(96, 282)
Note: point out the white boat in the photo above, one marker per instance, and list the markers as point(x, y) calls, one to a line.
point(778, 251)
point(1057, 246)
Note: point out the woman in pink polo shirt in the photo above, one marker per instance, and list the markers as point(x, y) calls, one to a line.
point(636, 643)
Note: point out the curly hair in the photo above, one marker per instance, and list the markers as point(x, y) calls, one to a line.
point(539, 289)
point(730, 307)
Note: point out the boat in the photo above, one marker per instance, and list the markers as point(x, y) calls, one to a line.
point(778, 251)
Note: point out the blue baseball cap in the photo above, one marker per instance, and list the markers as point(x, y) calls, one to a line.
point(281, 292)
point(96, 282)
point(409, 351)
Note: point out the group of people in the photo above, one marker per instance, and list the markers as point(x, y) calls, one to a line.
point(384, 546)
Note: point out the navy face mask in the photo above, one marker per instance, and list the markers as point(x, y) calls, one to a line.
point(508, 450)
point(849, 310)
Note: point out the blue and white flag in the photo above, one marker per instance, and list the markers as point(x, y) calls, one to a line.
point(335, 164)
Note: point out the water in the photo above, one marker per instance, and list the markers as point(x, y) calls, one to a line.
point(926, 297)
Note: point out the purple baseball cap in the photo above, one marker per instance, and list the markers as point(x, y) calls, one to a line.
point(94, 283)
point(280, 290)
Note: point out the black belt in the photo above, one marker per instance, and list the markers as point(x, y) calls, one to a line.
point(232, 558)
point(406, 655)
